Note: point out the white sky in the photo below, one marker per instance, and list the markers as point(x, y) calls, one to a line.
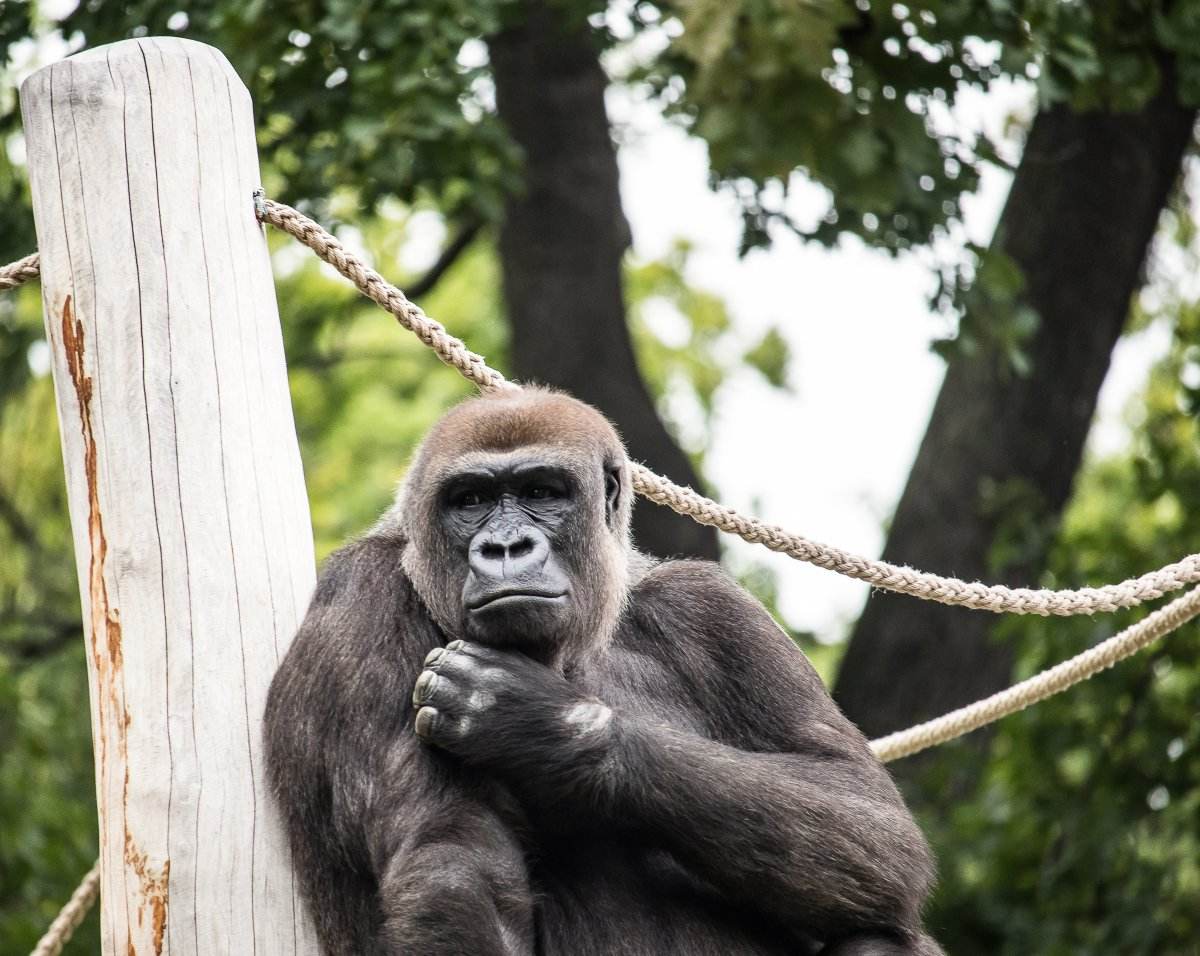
point(828, 460)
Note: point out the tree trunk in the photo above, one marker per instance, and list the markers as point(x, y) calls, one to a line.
point(1078, 221)
point(561, 246)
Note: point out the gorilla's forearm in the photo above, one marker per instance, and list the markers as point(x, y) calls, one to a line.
point(811, 846)
point(457, 884)
point(811, 841)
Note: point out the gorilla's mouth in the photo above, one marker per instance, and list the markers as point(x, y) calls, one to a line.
point(507, 598)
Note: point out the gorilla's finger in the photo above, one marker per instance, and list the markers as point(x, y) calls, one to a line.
point(426, 722)
point(424, 688)
point(434, 687)
point(482, 653)
point(439, 654)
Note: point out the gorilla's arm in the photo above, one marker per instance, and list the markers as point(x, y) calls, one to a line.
point(783, 808)
point(394, 851)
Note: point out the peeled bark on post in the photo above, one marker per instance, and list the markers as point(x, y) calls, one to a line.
point(191, 525)
point(1079, 220)
point(561, 247)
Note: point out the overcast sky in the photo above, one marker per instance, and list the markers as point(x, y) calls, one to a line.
point(828, 460)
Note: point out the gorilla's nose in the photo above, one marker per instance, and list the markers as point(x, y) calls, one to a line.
point(509, 554)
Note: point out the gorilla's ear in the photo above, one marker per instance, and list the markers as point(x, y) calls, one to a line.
point(612, 492)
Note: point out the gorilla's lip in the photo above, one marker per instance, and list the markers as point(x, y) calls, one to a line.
point(524, 594)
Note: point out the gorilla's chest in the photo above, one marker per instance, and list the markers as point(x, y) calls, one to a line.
point(639, 685)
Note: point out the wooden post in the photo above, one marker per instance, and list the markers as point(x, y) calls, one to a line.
point(192, 533)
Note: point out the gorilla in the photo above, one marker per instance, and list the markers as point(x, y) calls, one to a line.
point(501, 731)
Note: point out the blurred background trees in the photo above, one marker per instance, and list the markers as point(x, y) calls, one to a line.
point(1074, 827)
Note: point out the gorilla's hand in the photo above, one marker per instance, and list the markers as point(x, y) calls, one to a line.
point(503, 710)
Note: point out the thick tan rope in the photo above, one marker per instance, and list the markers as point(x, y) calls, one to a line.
point(370, 283)
point(1040, 686)
point(921, 584)
point(71, 915)
point(685, 501)
point(19, 272)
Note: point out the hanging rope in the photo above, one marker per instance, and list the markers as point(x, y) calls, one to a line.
point(19, 272)
point(685, 501)
point(71, 915)
point(1049, 682)
point(375, 287)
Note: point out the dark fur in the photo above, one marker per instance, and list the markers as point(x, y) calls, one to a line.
point(724, 807)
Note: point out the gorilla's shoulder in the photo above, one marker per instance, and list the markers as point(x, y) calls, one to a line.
point(373, 559)
point(694, 616)
point(702, 598)
point(363, 587)
point(685, 578)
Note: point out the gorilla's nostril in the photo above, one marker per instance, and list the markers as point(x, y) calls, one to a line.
point(518, 549)
point(492, 551)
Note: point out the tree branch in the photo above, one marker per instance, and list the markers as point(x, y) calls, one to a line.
point(22, 530)
point(450, 255)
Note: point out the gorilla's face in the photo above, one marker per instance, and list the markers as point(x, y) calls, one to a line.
point(516, 537)
point(523, 533)
point(509, 522)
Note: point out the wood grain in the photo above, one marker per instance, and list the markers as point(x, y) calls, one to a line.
point(192, 533)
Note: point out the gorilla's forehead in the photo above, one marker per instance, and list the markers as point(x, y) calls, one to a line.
point(554, 424)
point(554, 456)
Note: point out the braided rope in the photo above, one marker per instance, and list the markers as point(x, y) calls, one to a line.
point(71, 915)
point(685, 501)
point(19, 272)
point(375, 287)
point(1046, 684)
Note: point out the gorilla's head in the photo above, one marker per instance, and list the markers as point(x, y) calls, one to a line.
point(516, 514)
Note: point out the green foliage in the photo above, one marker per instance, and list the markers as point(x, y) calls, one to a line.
point(381, 98)
point(684, 336)
point(856, 94)
point(394, 99)
point(770, 357)
point(47, 793)
point(1080, 835)
point(996, 323)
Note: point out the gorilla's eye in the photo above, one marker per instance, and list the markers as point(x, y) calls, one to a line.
point(541, 492)
point(467, 499)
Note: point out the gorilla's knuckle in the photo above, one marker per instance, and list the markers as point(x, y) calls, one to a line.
point(480, 701)
point(495, 677)
point(435, 657)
